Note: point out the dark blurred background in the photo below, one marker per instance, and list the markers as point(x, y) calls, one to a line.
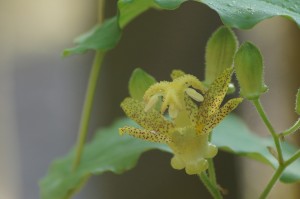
point(42, 94)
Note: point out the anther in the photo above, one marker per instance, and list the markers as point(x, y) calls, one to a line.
point(194, 94)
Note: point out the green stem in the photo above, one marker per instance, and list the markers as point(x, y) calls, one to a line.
point(87, 108)
point(89, 96)
point(213, 190)
point(293, 158)
point(212, 172)
point(211, 167)
point(278, 173)
point(272, 182)
point(264, 117)
point(293, 129)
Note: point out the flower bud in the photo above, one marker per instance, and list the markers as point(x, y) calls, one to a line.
point(139, 82)
point(220, 50)
point(298, 102)
point(248, 65)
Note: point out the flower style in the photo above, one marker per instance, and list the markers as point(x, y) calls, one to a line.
point(186, 130)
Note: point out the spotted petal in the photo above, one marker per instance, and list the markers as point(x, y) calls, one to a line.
point(147, 135)
point(192, 109)
point(150, 120)
point(214, 96)
point(215, 119)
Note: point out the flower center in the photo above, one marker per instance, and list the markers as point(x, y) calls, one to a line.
point(173, 94)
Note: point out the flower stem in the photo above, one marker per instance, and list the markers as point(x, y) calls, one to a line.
point(264, 117)
point(292, 158)
point(278, 173)
point(282, 164)
point(272, 182)
point(211, 167)
point(212, 172)
point(213, 190)
point(293, 129)
point(87, 108)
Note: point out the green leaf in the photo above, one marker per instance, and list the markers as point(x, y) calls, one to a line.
point(139, 82)
point(219, 54)
point(129, 9)
point(170, 4)
point(107, 152)
point(102, 38)
point(244, 14)
point(110, 152)
point(233, 136)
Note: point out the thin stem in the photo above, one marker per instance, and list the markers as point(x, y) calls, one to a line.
point(101, 6)
point(211, 167)
point(293, 158)
point(212, 172)
point(87, 108)
point(278, 173)
point(292, 129)
point(89, 96)
point(272, 182)
point(264, 117)
point(213, 190)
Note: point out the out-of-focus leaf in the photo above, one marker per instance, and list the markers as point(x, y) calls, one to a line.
point(242, 14)
point(107, 152)
point(101, 38)
point(129, 9)
point(139, 82)
point(110, 152)
point(233, 136)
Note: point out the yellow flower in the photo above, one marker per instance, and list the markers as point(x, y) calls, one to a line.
point(186, 130)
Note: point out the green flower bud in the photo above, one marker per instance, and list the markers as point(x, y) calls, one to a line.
point(220, 50)
point(298, 102)
point(248, 65)
point(139, 82)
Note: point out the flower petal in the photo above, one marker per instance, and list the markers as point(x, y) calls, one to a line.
point(192, 109)
point(215, 119)
point(150, 120)
point(214, 96)
point(151, 136)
